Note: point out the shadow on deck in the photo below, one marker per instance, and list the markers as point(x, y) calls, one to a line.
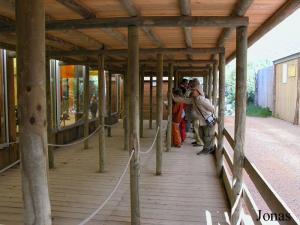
point(187, 189)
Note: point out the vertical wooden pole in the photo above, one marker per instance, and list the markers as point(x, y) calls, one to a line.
point(176, 80)
point(30, 17)
point(151, 102)
point(159, 113)
point(205, 85)
point(109, 103)
point(170, 87)
point(126, 110)
point(101, 112)
point(77, 96)
point(215, 85)
point(13, 155)
point(86, 105)
point(134, 143)
point(210, 84)
point(142, 103)
point(50, 133)
point(240, 117)
point(296, 118)
point(219, 153)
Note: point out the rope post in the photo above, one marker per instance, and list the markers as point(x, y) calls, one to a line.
point(159, 112)
point(215, 85)
point(151, 101)
point(209, 89)
point(50, 135)
point(134, 142)
point(30, 25)
point(221, 113)
point(240, 118)
point(109, 102)
point(142, 102)
point(86, 105)
point(101, 111)
point(170, 87)
point(126, 110)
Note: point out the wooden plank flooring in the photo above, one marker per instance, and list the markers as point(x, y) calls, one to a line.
point(187, 188)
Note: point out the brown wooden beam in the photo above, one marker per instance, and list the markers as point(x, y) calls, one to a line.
point(149, 21)
point(185, 10)
point(78, 8)
point(283, 12)
point(142, 51)
point(87, 13)
point(134, 12)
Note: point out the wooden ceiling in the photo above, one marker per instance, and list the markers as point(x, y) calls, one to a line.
point(263, 15)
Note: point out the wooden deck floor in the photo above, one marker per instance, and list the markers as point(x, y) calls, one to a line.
point(188, 187)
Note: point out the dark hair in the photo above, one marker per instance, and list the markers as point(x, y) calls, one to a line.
point(177, 92)
point(183, 81)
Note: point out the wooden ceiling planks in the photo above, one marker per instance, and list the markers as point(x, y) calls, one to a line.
point(170, 37)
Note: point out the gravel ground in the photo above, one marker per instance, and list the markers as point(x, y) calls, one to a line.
point(273, 145)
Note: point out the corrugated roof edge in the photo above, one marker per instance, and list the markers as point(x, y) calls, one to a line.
point(287, 58)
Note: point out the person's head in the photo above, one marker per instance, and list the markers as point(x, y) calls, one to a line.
point(177, 92)
point(184, 82)
point(195, 83)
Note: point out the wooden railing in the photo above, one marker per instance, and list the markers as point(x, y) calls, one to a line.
point(268, 194)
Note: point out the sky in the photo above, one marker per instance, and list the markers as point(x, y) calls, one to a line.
point(282, 41)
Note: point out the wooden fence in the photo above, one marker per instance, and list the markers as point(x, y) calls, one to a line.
point(268, 194)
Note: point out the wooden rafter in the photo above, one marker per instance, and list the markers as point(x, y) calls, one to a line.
point(142, 51)
point(147, 21)
point(185, 10)
point(87, 13)
point(284, 11)
point(134, 12)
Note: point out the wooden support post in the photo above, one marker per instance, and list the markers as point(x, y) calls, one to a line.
point(141, 103)
point(219, 153)
point(51, 138)
point(215, 85)
point(134, 142)
point(13, 149)
point(204, 84)
point(240, 118)
point(101, 112)
point(151, 102)
point(109, 103)
point(86, 105)
point(30, 17)
point(77, 96)
point(176, 80)
point(170, 87)
point(210, 79)
point(126, 110)
point(159, 113)
point(297, 114)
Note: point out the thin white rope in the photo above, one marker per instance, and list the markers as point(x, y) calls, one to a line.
point(111, 194)
point(79, 141)
point(10, 166)
point(8, 143)
point(151, 147)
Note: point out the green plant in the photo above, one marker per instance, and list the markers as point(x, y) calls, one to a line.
point(256, 111)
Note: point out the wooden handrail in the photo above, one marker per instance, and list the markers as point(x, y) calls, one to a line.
point(251, 206)
point(272, 199)
point(229, 138)
point(228, 158)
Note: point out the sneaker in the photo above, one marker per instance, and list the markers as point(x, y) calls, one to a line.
point(194, 142)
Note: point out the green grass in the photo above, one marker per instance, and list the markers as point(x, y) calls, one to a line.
point(256, 111)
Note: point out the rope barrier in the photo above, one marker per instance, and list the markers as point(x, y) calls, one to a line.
point(10, 166)
point(111, 194)
point(151, 147)
point(79, 141)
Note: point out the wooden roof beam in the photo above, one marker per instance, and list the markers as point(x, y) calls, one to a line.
point(283, 12)
point(148, 21)
point(88, 14)
point(134, 12)
point(185, 10)
point(142, 51)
